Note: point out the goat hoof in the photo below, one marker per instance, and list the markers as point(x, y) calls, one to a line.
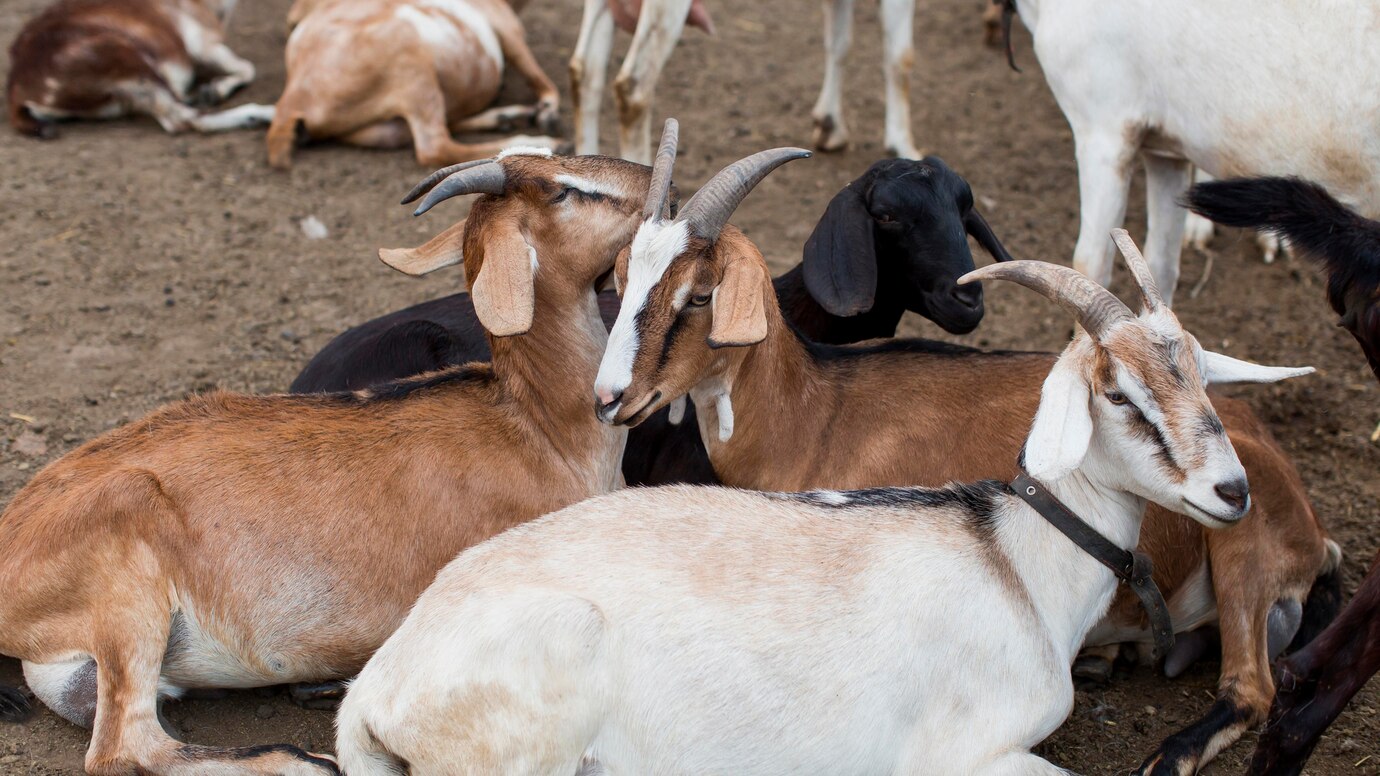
point(830, 136)
point(548, 121)
point(1092, 669)
point(318, 697)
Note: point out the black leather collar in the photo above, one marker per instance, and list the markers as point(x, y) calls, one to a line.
point(1129, 566)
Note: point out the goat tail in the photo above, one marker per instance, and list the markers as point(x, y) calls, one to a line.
point(358, 750)
point(1324, 598)
point(1307, 216)
point(15, 706)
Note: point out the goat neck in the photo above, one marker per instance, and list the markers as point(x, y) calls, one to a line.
point(816, 324)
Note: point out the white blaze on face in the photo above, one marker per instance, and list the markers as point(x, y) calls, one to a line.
point(656, 245)
point(521, 150)
point(588, 185)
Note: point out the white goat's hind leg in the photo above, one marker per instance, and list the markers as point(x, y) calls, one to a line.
point(501, 119)
point(658, 30)
point(831, 132)
point(1022, 764)
point(1198, 230)
point(898, 18)
point(588, 71)
point(248, 116)
point(1166, 180)
point(1104, 180)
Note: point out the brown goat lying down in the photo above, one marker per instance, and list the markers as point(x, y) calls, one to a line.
point(393, 73)
point(780, 414)
point(238, 541)
point(99, 59)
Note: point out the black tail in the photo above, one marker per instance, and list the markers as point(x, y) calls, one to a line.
point(1324, 600)
point(1304, 213)
point(14, 705)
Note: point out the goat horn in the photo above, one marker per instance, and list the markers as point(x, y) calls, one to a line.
point(660, 189)
point(714, 203)
point(487, 178)
point(1140, 270)
point(1094, 306)
point(436, 177)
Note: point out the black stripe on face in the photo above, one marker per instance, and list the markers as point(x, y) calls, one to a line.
point(1153, 433)
point(1209, 424)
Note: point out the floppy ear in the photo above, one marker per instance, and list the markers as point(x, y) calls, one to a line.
point(504, 294)
point(620, 269)
point(840, 259)
point(739, 305)
point(1218, 368)
point(440, 251)
point(977, 226)
point(1062, 431)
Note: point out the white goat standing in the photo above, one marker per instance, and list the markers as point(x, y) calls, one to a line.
point(1232, 86)
point(659, 28)
point(690, 630)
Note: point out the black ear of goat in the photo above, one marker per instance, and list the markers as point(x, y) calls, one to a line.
point(977, 226)
point(840, 258)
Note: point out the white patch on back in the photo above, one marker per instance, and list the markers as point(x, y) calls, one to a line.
point(437, 31)
point(586, 185)
point(656, 244)
point(522, 150)
point(466, 14)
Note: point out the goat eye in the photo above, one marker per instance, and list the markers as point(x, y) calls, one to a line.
point(1117, 398)
point(561, 196)
point(699, 301)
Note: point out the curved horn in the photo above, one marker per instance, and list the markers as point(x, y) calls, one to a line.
point(480, 179)
point(436, 177)
point(1094, 306)
point(715, 202)
point(660, 189)
point(1140, 270)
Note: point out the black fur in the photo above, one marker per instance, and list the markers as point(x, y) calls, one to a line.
point(1347, 245)
point(194, 753)
point(15, 706)
point(1189, 744)
point(1319, 609)
point(913, 265)
point(979, 501)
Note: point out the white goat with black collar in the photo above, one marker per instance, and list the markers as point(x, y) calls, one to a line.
point(692, 630)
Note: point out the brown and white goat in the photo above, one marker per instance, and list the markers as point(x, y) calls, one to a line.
point(238, 541)
point(100, 59)
point(389, 73)
point(779, 413)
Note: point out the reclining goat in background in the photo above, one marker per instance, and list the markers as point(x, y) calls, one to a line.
point(893, 630)
point(393, 73)
point(893, 240)
point(101, 59)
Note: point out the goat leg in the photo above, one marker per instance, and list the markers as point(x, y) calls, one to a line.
point(325, 696)
point(1317, 682)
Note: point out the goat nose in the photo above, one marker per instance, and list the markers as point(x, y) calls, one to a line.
point(607, 397)
point(1234, 492)
point(969, 295)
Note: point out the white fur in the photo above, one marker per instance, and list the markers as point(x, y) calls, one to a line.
point(523, 150)
point(1219, 368)
point(1180, 68)
point(587, 185)
point(655, 246)
point(464, 13)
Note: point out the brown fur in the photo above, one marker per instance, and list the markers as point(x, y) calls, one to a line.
point(295, 531)
point(358, 73)
point(889, 417)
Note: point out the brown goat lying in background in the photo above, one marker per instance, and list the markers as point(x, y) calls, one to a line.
point(100, 59)
point(389, 73)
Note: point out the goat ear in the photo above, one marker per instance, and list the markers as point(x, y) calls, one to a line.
point(977, 226)
point(620, 269)
point(840, 260)
point(504, 293)
point(739, 305)
point(1062, 430)
point(440, 251)
point(1218, 368)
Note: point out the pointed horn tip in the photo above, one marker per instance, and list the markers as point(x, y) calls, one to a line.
point(999, 270)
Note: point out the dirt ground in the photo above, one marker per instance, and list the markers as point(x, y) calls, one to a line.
point(140, 267)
